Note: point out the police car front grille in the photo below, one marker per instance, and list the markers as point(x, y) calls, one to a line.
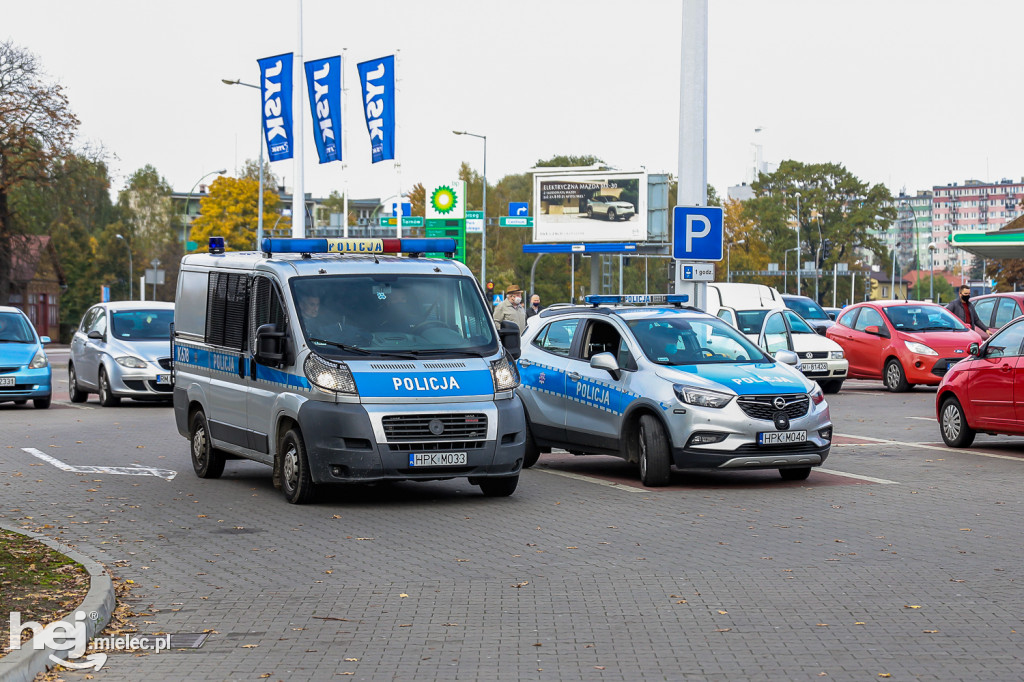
point(762, 406)
point(443, 446)
point(416, 427)
point(444, 365)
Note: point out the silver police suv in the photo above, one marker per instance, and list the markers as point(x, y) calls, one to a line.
point(666, 386)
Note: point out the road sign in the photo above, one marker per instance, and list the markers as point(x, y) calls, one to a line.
point(699, 272)
point(519, 208)
point(407, 221)
point(697, 233)
point(406, 208)
point(507, 221)
point(475, 221)
point(454, 229)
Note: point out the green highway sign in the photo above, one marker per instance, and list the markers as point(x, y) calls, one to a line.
point(474, 221)
point(510, 221)
point(407, 221)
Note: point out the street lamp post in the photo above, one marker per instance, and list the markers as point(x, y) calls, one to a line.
point(785, 265)
point(892, 281)
point(188, 200)
point(798, 243)
point(483, 234)
point(259, 208)
point(131, 270)
point(728, 258)
point(156, 268)
point(931, 266)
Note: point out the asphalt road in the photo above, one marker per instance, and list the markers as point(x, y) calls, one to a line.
point(899, 558)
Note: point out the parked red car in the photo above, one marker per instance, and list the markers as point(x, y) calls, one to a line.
point(903, 343)
point(977, 394)
point(995, 310)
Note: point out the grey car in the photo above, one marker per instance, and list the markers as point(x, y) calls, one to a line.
point(122, 350)
point(667, 387)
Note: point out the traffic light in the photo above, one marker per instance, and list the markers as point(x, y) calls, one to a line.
point(490, 288)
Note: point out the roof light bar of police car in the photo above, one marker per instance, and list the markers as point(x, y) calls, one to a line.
point(413, 247)
point(638, 299)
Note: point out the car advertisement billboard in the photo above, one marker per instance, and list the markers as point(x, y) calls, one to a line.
point(590, 206)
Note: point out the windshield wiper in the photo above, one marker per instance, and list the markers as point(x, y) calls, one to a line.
point(342, 346)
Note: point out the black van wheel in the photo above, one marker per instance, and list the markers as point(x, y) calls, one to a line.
point(499, 487)
point(296, 483)
point(207, 461)
point(655, 466)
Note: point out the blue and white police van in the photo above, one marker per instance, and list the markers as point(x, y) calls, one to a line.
point(665, 386)
point(339, 361)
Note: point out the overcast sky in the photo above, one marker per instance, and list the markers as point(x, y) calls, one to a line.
point(909, 94)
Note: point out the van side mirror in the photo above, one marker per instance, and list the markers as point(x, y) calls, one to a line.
point(508, 332)
point(272, 347)
point(607, 362)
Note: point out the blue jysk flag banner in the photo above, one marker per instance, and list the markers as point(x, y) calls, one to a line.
point(323, 78)
point(378, 81)
point(276, 86)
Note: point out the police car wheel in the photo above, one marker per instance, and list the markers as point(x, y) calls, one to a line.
point(653, 454)
point(207, 461)
point(107, 397)
point(76, 394)
point(296, 483)
point(499, 487)
point(798, 474)
point(532, 452)
point(953, 424)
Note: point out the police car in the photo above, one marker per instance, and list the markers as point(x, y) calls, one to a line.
point(666, 386)
point(336, 360)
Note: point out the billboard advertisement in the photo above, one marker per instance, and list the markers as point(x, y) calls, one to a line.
point(589, 206)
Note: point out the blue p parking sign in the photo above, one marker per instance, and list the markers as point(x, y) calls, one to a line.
point(697, 233)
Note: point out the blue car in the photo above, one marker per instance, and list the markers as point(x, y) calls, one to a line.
point(24, 368)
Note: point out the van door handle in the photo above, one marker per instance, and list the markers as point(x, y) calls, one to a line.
point(574, 376)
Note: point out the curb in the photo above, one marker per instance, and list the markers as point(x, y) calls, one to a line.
point(22, 665)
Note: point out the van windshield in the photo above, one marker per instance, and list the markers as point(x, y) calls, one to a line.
point(387, 315)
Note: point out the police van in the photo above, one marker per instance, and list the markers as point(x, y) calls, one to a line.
point(339, 361)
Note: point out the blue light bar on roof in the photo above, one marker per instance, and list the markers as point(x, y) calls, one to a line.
point(282, 245)
point(637, 299)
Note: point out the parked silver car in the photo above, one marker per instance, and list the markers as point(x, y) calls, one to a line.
point(122, 350)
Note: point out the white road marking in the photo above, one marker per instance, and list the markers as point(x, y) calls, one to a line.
point(135, 470)
point(926, 419)
point(926, 446)
point(883, 481)
point(591, 479)
point(68, 403)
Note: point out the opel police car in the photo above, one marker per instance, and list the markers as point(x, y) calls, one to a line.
point(339, 361)
point(666, 386)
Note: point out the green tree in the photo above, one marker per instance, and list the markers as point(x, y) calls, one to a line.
point(230, 211)
point(835, 206)
point(37, 129)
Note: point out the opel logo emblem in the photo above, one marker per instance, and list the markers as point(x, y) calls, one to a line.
point(808, 355)
point(779, 402)
point(436, 427)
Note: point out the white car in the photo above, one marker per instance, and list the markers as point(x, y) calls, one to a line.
point(610, 207)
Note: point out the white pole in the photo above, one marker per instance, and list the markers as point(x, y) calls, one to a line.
point(344, 148)
point(693, 121)
point(299, 191)
point(835, 280)
point(398, 166)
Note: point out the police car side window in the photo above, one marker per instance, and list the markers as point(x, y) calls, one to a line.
point(226, 309)
point(601, 338)
point(557, 337)
point(266, 307)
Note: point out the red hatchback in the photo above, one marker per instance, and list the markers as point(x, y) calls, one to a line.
point(903, 343)
point(986, 391)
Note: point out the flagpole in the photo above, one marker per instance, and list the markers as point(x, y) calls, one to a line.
point(398, 167)
point(298, 93)
point(344, 146)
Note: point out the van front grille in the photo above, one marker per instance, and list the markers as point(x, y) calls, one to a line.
point(446, 427)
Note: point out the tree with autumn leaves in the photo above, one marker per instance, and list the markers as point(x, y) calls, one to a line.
point(231, 209)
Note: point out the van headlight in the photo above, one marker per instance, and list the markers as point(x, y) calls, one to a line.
point(39, 360)
point(701, 397)
point(329, 376)
point(504, 374)
point(131, 361)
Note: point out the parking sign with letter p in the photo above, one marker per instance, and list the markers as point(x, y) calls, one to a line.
point(697, 233)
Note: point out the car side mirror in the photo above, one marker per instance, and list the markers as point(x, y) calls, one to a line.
point(787, 357)
point(508, 332)
point(974, 349)
point(95, 335)
point(876, 330)
point(44, 340)
point(272, 347)
point(607, 362)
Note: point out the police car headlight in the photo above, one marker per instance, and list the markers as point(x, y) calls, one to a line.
point(836, 355)
point(504, 374)
point(920, 348)
point(701, 397)
point(39, 361)
point(131, 361)
point(330, 376)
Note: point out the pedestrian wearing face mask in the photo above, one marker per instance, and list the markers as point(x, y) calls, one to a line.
point(964, 310)
point(534, 307)
point(511, 309)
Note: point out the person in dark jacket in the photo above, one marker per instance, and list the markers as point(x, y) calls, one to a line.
point(534, 307)
point(965, 312)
